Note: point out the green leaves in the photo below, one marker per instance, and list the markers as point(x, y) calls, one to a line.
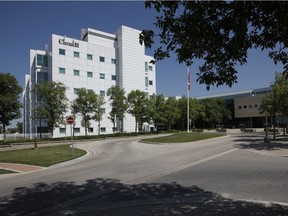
point(9, 99)
point(118, 104)
point(88, 104)
point(276, 100)
point(220, 33)
point(51, 103)
point(138, 107)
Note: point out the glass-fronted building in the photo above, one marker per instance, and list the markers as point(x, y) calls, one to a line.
point(244, 107)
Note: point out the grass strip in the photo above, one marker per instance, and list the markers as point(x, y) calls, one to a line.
point(3, 171)
point(183, 137)
point(44, 156)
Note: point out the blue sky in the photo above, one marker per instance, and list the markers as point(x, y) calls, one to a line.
point(29, 25)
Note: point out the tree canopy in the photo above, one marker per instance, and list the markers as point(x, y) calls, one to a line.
point(88, 105)
point(138, 107)
point(51, 103)
point(220, 33)
point(215, 111)
point(118, 104)
point(156, 109)
point(9, 99)
point(276, 101)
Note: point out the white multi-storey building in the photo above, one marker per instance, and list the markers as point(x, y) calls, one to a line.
point(96, 62)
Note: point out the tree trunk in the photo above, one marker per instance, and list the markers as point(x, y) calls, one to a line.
point(40, 128)
point(136, 124)
point(4, 131)
point(284, 126)
point(122, 125)
point(274, 129)
point(98, 127)
point(155, 126)
point(113, 126)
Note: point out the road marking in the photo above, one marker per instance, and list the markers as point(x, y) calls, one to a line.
point(177, 169)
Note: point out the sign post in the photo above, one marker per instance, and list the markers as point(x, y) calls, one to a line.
point(70, 121)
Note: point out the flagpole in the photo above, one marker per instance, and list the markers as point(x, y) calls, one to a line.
point(188, 91)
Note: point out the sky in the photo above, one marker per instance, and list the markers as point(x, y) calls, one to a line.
point(29, 25)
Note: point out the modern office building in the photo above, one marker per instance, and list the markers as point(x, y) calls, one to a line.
point(96, 61)
point(244, 107)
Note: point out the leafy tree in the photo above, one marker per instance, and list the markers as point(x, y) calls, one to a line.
point(196, 111)
point(171, 112)
point(156, 109)
point(215, 111)
point(9, 100)
point(86, 104)
point(19, 127)
point(276, 100)
point(51, 103)
point(220, 33)
point(138, 107)
point(100, 101)
point(118, 105)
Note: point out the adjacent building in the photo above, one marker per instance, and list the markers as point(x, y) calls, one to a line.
point(244, 106)
point(96, 61)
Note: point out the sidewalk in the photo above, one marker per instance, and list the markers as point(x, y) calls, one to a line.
point(20, 168)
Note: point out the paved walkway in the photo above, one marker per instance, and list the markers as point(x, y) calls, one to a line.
point(20, 167)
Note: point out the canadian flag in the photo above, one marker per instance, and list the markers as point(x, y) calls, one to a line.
point(188, 78)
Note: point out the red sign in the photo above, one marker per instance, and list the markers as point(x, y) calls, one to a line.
point(69, 120)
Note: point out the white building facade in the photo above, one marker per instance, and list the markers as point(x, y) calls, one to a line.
point(96, 62)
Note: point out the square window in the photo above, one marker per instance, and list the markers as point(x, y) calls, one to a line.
point(76, 130)
point(150, 82)
point(62, 70)
point(150, 68)
point(42, 76)
point(90, 90)
point(76, 54)
point(89, 56)
point(90, 130)
point(102, 59)
point(113, 77)
point(256, 105)
point(102, 110)
point(102, 76)
point(89, 74)
point(113, 61)
point(42, 60)
point(76, 90)
point(62, 130)
point(103, 129)
point(102, 93)
point(61, 51)
point(76, 72)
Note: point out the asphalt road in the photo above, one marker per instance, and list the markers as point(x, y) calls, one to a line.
point(123, 175)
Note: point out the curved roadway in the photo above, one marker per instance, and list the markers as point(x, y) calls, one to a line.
point(118, 173)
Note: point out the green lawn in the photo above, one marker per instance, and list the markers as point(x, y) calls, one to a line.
point(44, 156)
point(183, 137)
point(2, 171)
